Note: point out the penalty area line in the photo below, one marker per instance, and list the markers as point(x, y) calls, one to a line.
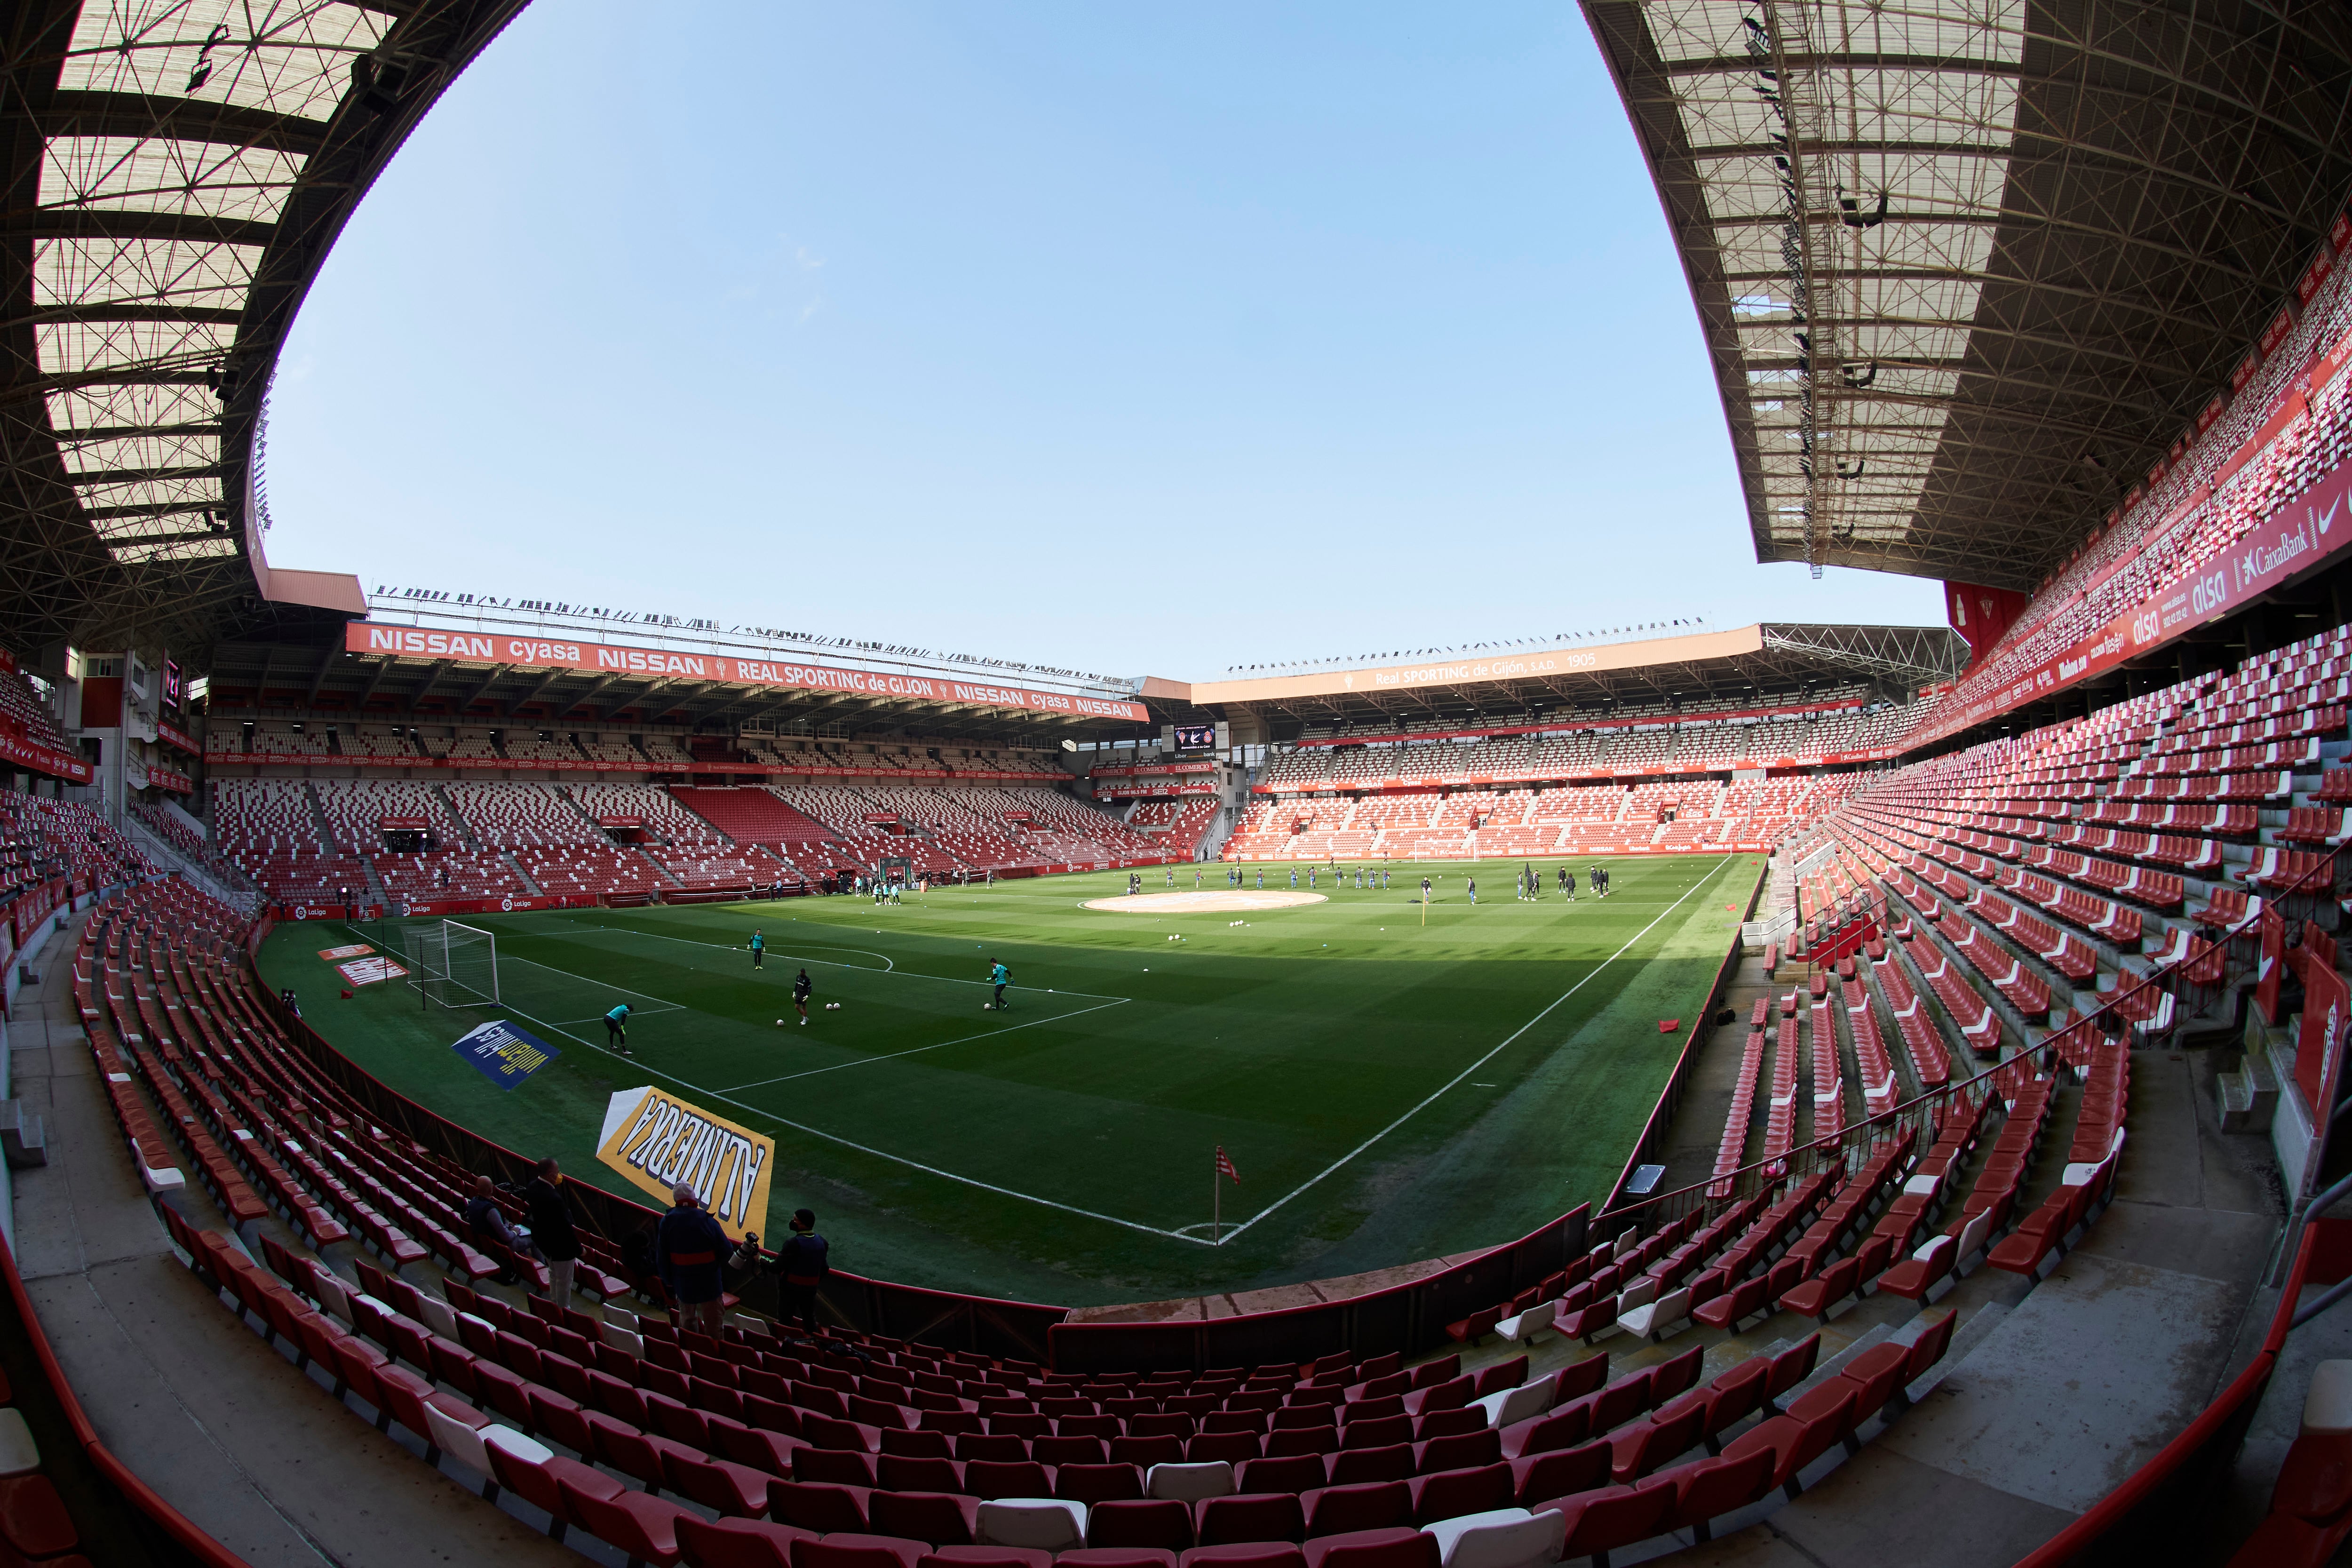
point(917, 1050)
point(765, 1114)
point(1440, 1091)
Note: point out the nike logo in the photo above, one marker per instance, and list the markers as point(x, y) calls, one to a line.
point(2329, 515)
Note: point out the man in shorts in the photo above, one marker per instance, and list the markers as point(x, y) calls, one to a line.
point(616, 1029)
point(1000, 977)
point(801, 989)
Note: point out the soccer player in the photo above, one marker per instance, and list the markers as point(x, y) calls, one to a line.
point(1310, 879)
point(1568, 883)
point(801, 989)
point(1171, 878)
point(1424, 890)
point(1473, 882)
point(616, 1029)
point(1261, 879)
point(1293, 879)
point(759, 949)
point(1000, 977)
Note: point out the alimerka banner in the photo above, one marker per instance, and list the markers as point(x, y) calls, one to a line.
point(548, 653)
point(658, 1141)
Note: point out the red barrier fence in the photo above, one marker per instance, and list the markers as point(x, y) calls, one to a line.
point(1407, 1318)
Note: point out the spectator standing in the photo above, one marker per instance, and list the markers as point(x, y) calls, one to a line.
point(689, 1250)
point(551, 1228)
point(803, 1260)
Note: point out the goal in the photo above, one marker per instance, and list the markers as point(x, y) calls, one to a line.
point(453, 966)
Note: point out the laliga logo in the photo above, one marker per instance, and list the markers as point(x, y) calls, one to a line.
point(506, 902)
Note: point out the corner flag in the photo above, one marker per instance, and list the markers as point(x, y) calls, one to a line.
point(1226, 1167)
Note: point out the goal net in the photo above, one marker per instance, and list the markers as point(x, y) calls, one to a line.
point(453, 966)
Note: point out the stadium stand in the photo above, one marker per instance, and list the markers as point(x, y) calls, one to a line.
point(1176, 825)
point(271, 829)
point(2070, 864)
point(669, 1444)
point(24, 714)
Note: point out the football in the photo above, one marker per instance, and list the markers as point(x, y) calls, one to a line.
point(780, 1023)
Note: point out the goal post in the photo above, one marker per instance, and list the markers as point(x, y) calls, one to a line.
point(453, 964)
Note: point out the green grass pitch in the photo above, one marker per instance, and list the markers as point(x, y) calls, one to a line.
point(1389, 1088)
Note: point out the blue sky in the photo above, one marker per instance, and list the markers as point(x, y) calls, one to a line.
point(1140, 339)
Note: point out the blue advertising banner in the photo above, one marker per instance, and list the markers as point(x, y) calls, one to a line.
point(505, 1053)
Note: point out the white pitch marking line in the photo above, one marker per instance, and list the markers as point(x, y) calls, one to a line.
point(917, 1050)
point(910, 975)
point(1474, 1067)
point(661, 1004)
point(761, 1110)
point(867, 1148)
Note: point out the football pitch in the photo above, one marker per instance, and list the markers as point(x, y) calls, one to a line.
point(1391, 1083)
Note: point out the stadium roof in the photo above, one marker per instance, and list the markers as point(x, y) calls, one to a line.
point(1966, 267)
point(177, 170)
point(1713, 665)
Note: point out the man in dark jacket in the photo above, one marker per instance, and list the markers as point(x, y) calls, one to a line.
point(491, 1233)
point(551, 1226)
point(801, 1261)
point(689, 1251)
